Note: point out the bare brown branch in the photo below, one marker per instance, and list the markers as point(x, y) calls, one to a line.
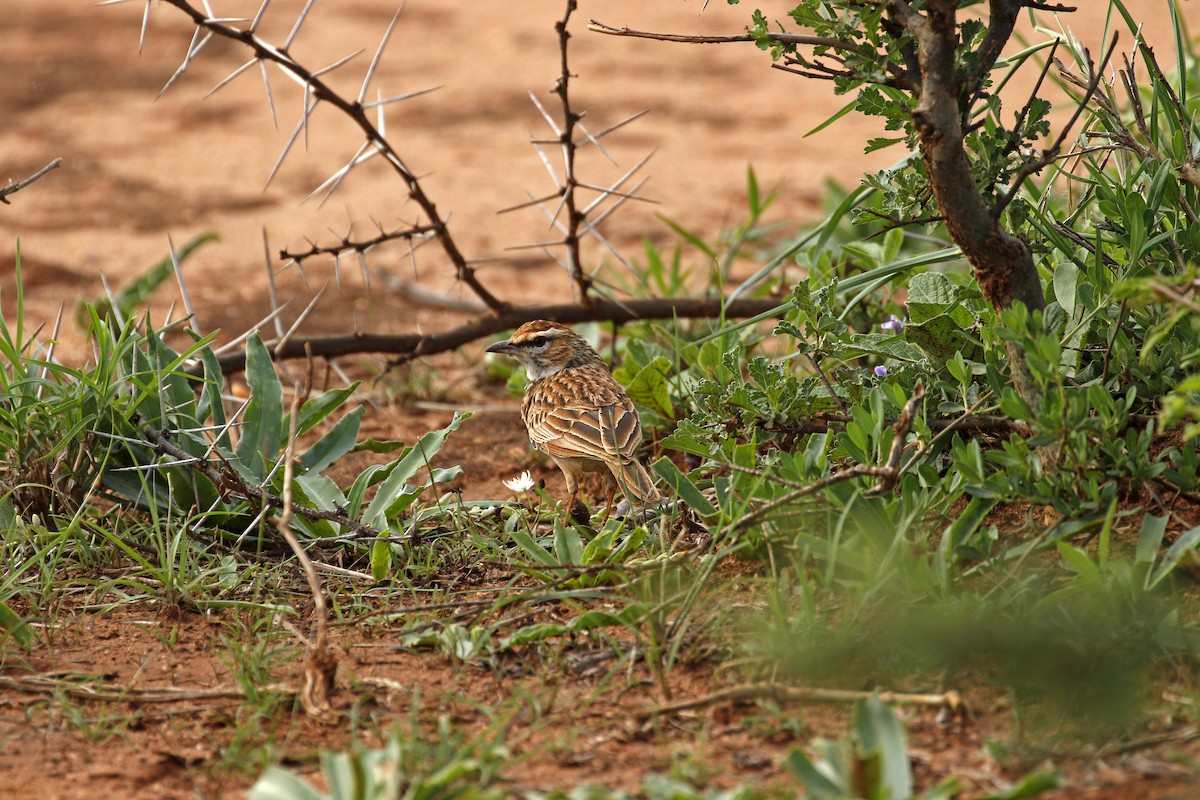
point(16, 186)
point(406, 347)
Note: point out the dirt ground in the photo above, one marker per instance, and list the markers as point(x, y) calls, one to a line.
point(139, 168)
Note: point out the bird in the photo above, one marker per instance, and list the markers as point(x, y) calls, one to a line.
point(577, 413)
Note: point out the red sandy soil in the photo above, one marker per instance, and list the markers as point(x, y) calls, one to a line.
point(137, 170)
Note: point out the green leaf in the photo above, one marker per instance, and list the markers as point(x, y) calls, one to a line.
point(262, 421)
point(394, 490)
point(883, 344)
point(321, 406)
point(816, 784)
point(650, 387)
point(941, 338)
point(568, 544)
point(878, 732)
point(962, 530)
point(279, 784)
point(1150, 538)
point(1066, 281)
point(1031, 785)
point(1079, 562)
point(381, 558)
point(682, 486)
point(534, 550)
point(1184, 544)
point(17, 628)
point(336, 442)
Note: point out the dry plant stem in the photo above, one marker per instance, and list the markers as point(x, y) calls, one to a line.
point(46, 684)
point(783, 38)
point(16, 186)
point(319, 664)
point(951, 700)
point(406, 347)
point(355, 111)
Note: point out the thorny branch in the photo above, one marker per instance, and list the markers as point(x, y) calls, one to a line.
point(316, 87)
point(16, 186)
point(575, 217)
point(361, 246)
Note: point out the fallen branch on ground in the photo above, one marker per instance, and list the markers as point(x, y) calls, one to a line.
point(951, 700)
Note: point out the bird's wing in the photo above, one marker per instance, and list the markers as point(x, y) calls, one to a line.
point(606, 433)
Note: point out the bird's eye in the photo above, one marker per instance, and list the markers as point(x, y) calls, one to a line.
point(539, 341)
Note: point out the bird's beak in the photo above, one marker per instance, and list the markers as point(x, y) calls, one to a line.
point(505, 347)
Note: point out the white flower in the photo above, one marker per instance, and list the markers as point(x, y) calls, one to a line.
point(521, 483)
point(893, 324)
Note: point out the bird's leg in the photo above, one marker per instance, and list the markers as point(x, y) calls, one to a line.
point(611, 492)
point(575, 507)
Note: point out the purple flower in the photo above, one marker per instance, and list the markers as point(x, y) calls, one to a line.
point(893, 324)
point(881, 371)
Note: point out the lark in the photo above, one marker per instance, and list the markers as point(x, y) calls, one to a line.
point(577, 413)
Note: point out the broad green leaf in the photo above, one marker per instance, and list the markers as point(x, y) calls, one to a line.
point(381, 558)
point(1066, 282)
point(878, 732)
point(651, 389)
point(280, 784)
point(1186, 543)
point(395, 487)
point(334, 444)
point(1150, 538)
point(17, 628)
point(321, 406)
point(568, 545)
point(817, 785)
point(261, 433)
point(682, 486)
point(534, 550)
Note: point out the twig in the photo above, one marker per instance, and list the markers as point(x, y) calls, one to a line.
point(783, 38)
point(952, 700)
point(16, 186)
point(887, 475)
point(41, 684)
point(321, 91)
point(409, 346)
point(320, 665)
point(348, 245)
point(1051, 153)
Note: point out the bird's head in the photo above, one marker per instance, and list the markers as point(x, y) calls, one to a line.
point(545, 347)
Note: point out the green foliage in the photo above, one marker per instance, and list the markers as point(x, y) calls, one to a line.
point(400, 770)
point(872, 763)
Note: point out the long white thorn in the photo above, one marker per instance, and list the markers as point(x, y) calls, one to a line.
point(362, 93)
point(183, 290)
point(296, 28)
point(301, 125)
point(231, 76)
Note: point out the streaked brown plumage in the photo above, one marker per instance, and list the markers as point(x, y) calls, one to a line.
point(577, 413)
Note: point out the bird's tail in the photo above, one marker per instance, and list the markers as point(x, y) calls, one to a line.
point(635, 482)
